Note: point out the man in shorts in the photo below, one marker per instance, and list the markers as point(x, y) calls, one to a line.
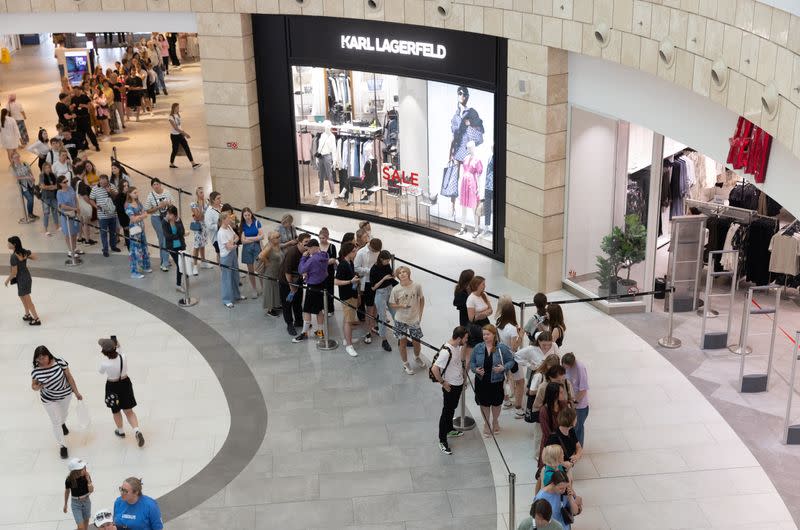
point(408, 301)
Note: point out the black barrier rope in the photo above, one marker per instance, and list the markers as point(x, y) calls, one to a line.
point(599, 298)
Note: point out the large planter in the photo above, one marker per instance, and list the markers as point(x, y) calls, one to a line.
point(624, 286)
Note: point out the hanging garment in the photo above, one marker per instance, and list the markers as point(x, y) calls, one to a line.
point(304, 147)
point(784, 255)
point(728, 261)
point(757, 251)
point(325, 171)
point(471, 170)
point(677, 188)
point(314, 149)
point(744, 196)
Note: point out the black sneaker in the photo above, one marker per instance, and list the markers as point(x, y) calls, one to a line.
point(386, 346)
point(445, 449)
point(115, 249)
point(105, 253)
point(121, 434)
point(291, 330)
point(64, 453)
point(139, 439)
point(64, 429)
point(300, 338)
point(173, 166)
point(91, 242)
point(368, 339)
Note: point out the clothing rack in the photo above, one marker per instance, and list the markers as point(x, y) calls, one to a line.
point(742, 215)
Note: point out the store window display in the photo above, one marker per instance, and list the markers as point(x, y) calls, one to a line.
point(414, 150)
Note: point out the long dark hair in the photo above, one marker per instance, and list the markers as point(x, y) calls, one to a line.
point(470, 115)
point(18, 248)
point(463, 281)
point(551, 402)
point(41, 350)
point(73, 477)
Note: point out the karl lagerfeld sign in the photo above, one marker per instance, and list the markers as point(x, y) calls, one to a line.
point(394, 46)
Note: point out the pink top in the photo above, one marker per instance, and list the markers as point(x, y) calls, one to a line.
point(164, 48)
point(472, 165)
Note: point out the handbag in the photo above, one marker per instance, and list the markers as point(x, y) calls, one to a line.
point(566, 513)
point(195, 226)
point(112, 399)
point(450, 181)
point(134, 230)
point(531, 416)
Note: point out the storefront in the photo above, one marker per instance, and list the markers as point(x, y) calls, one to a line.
point(622, 173)
point(397, 123)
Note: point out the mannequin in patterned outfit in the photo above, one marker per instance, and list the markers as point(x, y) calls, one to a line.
point(471, 170)
point(466, 125)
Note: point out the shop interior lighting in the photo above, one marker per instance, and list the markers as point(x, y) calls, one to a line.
point(444, 8)
point(601, 31)
point(666, 52)
point(719, 74)
point(770, 100)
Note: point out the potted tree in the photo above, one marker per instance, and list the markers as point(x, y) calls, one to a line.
point(625, 248)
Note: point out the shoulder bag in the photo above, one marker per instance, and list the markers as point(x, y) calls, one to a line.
point(531, 416)
point(566, 513)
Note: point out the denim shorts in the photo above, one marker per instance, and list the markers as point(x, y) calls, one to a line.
point(81, 509)
point(250, 252)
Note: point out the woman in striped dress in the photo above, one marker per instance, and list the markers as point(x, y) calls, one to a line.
point(54, 382)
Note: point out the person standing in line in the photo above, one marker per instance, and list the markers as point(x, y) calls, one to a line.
point(61, 60)
point(460, 295)
point(20, 275)
point(102, 198)
point(289, 283)
point(22, 172)
point(48, 182)
point(577, 375)
point(329, 248)
point(17, 112)
point(229, 281)
point(408, 301)
point(538, 322)
point(198, 228)
point(314, 268)
point(54, 382)
point(479, 309)
point(366, 257)
point(178, 137)
point(381, 281)
point(555, 320)
point(78, 484)
point(558, 493)
point(511, 335)
point(287, 232)
point(211, 220)
point(41, 147)
point(272, 257)
point(118, 384)
point(174, 236)
point(9, 134)
point(489, 361)
point(83, 122)
point(134, 510)
point(448, 370)
point(541, 518)
point(67, 202)
point(139, 253)
point(347, 280)
point(251, 237)
point(122, 217)
point(158, 200)
point(172, 41)
point(163, 46)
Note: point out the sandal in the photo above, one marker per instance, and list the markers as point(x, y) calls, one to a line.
point(497, 429)
point(35, 322)
point(27, 317)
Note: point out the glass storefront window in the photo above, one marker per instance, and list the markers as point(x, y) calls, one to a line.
point(414, 150)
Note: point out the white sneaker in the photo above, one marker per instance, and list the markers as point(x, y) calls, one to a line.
point(333, 204)
point(408, 369)
point(343, 193)
point(420, 362)
point(321, 201)
point(351, 351)
point(180, 289)
point(206, 266)
point(194, 270)
point(319, 194)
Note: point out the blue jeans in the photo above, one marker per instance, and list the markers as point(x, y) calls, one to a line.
point(49, 209)
point(28, 194)
point(582, 415)
point(61, 71)
point(160, 78)
point(81, 509)
point(230, 278)
point(381, 305)
point(155, 220)
point(108, 227)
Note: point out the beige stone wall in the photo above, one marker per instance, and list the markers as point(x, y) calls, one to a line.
point(759, 45)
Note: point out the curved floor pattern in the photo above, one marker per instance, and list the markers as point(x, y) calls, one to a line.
point(248, 413)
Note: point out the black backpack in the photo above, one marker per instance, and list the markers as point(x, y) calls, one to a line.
point(436, 356)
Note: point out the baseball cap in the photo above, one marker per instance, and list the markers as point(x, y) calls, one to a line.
point(103, 517)
point(106, 345)
point(76, 463)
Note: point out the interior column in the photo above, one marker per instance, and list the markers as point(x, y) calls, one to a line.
point(231, 98)
point(536, 164)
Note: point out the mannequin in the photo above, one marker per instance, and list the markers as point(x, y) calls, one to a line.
point(471, 170)
point(326, 158)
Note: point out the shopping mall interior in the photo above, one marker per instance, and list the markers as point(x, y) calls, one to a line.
point(634, 161)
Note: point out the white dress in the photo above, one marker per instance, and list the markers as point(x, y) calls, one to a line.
point(9, 134)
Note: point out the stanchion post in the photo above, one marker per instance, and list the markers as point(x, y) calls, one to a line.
point(512, 480)
point(669, 341)
point(74, 260)
point(464, 423)
point(742, 348)
point(25, 220)
point(791, 433)
point(326, 343)
point(180, 204)
point(187, 300)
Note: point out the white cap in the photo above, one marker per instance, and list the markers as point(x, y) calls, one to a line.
point(103, 517)
point(75, 464)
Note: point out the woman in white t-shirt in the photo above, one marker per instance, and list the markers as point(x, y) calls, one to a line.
point(510, 334)
point(119, 389)
point(227, 240)
point(479, 309)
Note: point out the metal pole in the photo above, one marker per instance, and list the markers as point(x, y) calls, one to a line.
point(180, 203)
point(464, 422)
point(669, 341)
point(774, 331)
point(512, 478)
point(187, 300)
point(326, 343)
point(742, 348)
point(25, 220)
point(74, 260)
point(786, 427)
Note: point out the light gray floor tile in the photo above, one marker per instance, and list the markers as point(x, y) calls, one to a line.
point(303, 515)
point(437, 478)
point(473, 501)
point(401, 507)
point(357, 484)
point(344, 437)
point(291, 463)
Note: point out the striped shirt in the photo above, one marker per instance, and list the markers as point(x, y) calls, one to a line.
point(105, 206)
point(152, 201)
point(54, 380)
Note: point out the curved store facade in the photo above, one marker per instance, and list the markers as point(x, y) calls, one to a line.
point(546, 81)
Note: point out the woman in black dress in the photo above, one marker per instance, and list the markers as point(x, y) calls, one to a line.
point(489, 361)
point(119, 204)
point(22, 277)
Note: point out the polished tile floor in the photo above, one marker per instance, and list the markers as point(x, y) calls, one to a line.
point(351, 443)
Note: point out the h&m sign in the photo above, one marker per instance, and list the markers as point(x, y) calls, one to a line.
point(749, 149)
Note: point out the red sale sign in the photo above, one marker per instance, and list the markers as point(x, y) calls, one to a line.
point(397, 176)
point(749, 149)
